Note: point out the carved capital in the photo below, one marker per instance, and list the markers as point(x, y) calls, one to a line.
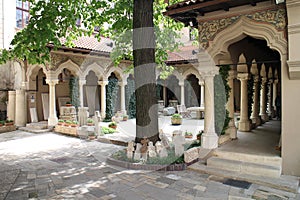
point(243, 76)
point(52, 82)
point(264, 80)
point(256, 79)
point(232, 74)
point(210, 73)
point(122, 83)
point(103, 83)
point(82, 82)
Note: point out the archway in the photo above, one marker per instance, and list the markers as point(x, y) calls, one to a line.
point(243, 45)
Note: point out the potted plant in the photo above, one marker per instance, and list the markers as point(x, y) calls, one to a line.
point(68, 103)
point(125, 117)
point(91, 135)
point(90, 122)
point(112, 125)
point(176, 119)
point(188, 134)
point(9, 122)
point(74, 123)
point(68, 123)
point(61, 122)
point(2, 123)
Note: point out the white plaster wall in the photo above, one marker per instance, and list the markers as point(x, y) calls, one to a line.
point(290, 124)
point(9, 21)
point(291, 96)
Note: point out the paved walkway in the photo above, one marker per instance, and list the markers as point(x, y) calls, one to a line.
point(52, 166)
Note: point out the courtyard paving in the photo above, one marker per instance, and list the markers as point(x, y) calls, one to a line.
point(53, 166)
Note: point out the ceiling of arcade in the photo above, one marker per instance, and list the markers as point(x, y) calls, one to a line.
point(256, 53)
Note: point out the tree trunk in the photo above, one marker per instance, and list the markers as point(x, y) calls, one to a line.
point(144, 71)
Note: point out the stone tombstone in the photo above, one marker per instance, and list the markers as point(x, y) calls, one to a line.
point(161, 150)
point(178, 141)
point(144, 148)
point(137, 153)
point(164, 139)
point(191, 155)
point(130, 149)
point(151, 150)
point(83, 114)
point(97, 120)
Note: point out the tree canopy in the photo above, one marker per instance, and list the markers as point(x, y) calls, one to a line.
point(52, 20)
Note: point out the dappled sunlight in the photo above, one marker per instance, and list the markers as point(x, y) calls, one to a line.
point(36, 143)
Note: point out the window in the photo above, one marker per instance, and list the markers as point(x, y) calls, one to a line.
point(22, 13)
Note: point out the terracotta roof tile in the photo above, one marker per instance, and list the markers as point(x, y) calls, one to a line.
point(184, 53)
point(91, 43)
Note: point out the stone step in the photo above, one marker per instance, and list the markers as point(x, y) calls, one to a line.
point(259, 159)
point(38, 125)
point(244, 167)
point(286, 183)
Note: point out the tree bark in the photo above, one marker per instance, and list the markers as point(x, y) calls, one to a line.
point(144, 71)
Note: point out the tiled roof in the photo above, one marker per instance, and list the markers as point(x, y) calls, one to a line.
point(91, 43)
point(185, 53)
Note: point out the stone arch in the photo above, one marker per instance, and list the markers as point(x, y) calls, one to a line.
point(192, 71)
point(243, 27)
point(118, 72)
point(70, 65)
point(95, 68)
point(34, 69)
point(178, 75)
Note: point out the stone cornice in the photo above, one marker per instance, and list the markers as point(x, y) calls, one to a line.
point(292, 3)
point(294, 69)
point(210, 28)
point(294, 29)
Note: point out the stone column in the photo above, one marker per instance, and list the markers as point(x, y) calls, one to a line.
point(81, 83)
point(231, 130)
point(52, 120)
point(123, 103)
point(263, 102)
point(11, 106)
point(20, 112)
point(270, 99)
point(181, 84)
point(103, 98)
point(255, 109)
point(274, 95)
point(201, 83)
point(244, 124)
point(209, 138)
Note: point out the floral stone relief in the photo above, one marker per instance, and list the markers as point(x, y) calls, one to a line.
point(208, 30)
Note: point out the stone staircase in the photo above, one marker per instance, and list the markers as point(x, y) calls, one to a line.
point(268, 166)
point(263, 170)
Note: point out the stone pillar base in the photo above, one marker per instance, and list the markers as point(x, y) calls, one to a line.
point(52, 121)
point(232, 132)
point(256, 121)
point(264, 118)
point(244, 126)
point(209, 141)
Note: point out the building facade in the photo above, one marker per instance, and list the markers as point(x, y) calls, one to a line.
point(257, 38)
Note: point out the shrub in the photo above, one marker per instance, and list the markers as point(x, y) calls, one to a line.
point(176, 116)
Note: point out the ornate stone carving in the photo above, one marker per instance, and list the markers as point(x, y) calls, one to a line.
point(208, 30)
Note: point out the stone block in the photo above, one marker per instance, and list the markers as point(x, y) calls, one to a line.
point(191, 155)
